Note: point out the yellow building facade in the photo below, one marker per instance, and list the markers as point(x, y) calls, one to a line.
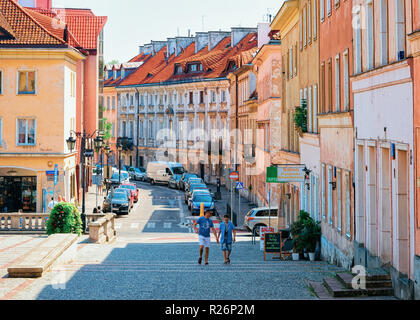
point(37, 113)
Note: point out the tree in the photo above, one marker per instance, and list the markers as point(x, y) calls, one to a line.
point(113, 62)
point(107, 129)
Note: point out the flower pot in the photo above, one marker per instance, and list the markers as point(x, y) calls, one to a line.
point(295, 256)
point(312, 256)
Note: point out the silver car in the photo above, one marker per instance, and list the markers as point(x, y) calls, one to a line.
point(259, 217)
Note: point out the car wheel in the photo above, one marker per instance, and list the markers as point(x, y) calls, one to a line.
point(152, 182)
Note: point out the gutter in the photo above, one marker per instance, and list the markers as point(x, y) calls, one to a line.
point(167, 83)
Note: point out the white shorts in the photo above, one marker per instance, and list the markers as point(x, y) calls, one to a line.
point(204, 241)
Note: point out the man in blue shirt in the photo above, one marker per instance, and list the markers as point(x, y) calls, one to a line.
point(206, 225)
point(227, 236)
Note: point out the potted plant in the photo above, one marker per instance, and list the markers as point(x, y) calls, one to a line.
point(296, 230)
point(310, 235)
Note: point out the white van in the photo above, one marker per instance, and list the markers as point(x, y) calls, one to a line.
point(161, 171)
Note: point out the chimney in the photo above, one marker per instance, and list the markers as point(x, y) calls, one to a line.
point(216, 36)
point(141, 49)
point(201, 40)
point(182, 43)
point(158, 45)
point(148, 49)
point(263, 31)
point(171, 46)
point(238, 33)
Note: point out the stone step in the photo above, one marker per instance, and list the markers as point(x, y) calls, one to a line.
point(346, 279)
point(57, 248)
point(320, 290)
point(377, 275)
point(337, 289)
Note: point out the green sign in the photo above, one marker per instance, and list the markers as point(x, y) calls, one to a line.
point(285, 174)
point(272, 243)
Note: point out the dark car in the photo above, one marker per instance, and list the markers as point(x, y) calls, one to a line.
point(120, 203)
point(174, 181)
point(130, 195)
point(184, 178)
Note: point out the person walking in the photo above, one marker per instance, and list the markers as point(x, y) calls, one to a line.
point(227, 235)
point(52, 204)
point(205, 226)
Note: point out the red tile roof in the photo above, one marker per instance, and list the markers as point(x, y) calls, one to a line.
point(25, 28)
point(159, 68)
point(82, 23)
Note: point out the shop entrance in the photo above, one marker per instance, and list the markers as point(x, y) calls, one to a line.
point(18, 193)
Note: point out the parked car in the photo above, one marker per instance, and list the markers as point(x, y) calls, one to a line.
point(137, 174)
point(174, 181)
point(192, 180)
point(198, 198)
point(191, 196)
point(193, 187)
point(125, 177)
point(259, 217)
point(120, 203)
point(161, 171)
point(129, 194)
point(133, 188)
point(184, 178)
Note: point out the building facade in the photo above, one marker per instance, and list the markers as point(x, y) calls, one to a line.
point(38, 99)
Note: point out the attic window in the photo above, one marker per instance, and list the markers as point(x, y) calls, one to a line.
point(232, 66)
point(195, 67)
point(178, 69)
point(149, 75)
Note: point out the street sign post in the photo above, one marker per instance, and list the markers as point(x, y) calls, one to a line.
point(239, 187)
point(233, 176)
point(55, 179)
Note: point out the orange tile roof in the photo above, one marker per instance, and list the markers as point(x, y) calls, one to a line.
point(82, 23)
point(159, 68)
point(26, 29)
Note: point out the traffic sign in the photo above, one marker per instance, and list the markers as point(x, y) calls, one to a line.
point(55, 174)
point(234, 175)
point(239, 186)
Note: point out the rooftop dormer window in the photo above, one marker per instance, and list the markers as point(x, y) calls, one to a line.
point(178, 69)
point(195, 67)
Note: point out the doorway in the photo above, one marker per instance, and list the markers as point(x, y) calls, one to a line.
point(18, 193)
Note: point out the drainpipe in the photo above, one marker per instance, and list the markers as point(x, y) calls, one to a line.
point(236, 121)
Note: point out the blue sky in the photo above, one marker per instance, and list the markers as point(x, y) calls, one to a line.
point(135, 22)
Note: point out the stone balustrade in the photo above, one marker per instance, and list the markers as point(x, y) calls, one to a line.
point(32, 222)
point(103, 229)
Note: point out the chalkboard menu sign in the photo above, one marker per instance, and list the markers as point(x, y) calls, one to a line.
point(272, 243)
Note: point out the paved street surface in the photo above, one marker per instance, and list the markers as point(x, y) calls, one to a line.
point(155, 257)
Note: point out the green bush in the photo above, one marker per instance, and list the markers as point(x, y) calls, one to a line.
point(300, 117)
point(64, 218)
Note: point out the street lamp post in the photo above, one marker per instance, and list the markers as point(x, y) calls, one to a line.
point(119, 147)
point(71, 143)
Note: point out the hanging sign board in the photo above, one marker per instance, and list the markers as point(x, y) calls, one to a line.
point(286, 173)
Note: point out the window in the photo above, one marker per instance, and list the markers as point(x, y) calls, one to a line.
point(315, 109)
point(399, 28)
point(304, 27)
point(108, 103)
point(337, 83)
point(346, 80)
point(191, 98)
point(72, 84)
point(309, 22)
point(357, 41)
point(383, 27)
point(113, 103)
point(339, 200)
point(369, 35)
point(213, 96)
point(310, 110)
point(178, 69)
point(330, 196)
point(131, 129)
point(1, 131)
point(322, 97)
point(295, 59)
point(323, 192)
point(150, 129)
point(336, 3)
point(321, 10)
point(141, 128)
point(26, 132)
point(315, 19)
point(1, 81)
point(301, 32)
point(291, 62)
point(201, 97)
point(348, 203)
point(26, 82)
point(328, 7)
point(124, 129)
point(329, 85)
point(223, 96)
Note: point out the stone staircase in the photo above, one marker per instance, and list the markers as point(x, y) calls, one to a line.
point(378, 284)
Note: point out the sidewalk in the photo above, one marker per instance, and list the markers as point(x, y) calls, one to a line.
point(223, 205)
point(90, 201)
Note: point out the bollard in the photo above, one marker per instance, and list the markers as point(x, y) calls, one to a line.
point(202, 209)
